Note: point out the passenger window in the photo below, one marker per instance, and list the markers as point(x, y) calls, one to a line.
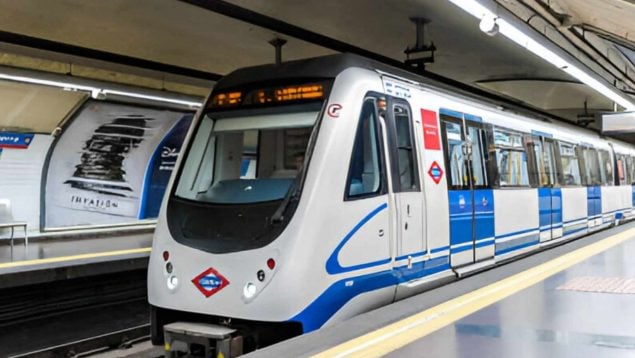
point(511, 159)
point(545, 171)
point(457, 173)
point(591, 167)
point(630, 164)
point(570, 174)
point(606, 168)
point(365, 172)
point(405, 152)
point(477, 138)
point(621, 171)
point(550, 163)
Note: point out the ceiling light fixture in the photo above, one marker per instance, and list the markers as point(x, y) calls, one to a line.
point(476, 9)
point(96, 92)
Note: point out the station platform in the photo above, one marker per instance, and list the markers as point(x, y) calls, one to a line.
point(66, 255)
point(574, 300)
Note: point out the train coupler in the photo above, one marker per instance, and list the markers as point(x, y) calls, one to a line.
point(201, 340)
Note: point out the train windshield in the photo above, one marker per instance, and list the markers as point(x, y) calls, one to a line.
point(238, 182)
point(246, 159)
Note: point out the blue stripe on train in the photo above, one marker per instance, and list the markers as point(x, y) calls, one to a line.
point(461, 228)
point(342, 291)
point(594, 201)
point(550, 208)
point(333, 265)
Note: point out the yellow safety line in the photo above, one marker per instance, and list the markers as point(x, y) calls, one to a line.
point(74, 257)
point(394, 336)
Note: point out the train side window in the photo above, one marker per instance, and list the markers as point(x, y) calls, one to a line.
point(630, 165)
point(365, 176)
point(621, 170)
point(405, 149)
point(569, 165)
point(550, 171)
point(511, 159)
point(456, 162)
point(540, 152)
point(606, 168)
point(478, 140)
point(591, 167)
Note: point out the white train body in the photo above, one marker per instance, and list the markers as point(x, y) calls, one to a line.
point(379, 210)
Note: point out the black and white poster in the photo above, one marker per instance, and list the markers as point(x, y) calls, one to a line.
point(98, 168)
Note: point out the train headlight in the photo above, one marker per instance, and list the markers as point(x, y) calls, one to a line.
point(249, 290)
point(173, 282)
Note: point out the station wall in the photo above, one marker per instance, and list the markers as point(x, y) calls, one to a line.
point(22, 158)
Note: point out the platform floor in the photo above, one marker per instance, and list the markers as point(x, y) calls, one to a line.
point(73, 254)
point(71, 244)
point(574, 300)
point(587, 310)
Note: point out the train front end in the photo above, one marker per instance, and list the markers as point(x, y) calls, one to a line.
point(226, 223)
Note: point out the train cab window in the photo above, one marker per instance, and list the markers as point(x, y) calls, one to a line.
point(245, 160)
point(295, 143)
point(569, 165)
point(365, 171)
point(249, 155)
point(606, 168)
point(511, 159)
point(405, 149)
point(591, 167)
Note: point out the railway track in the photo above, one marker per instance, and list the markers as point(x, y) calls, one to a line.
point(71, 318)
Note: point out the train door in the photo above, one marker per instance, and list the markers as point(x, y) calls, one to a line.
point(549, 194)
point(470, 199)
point(404, 172)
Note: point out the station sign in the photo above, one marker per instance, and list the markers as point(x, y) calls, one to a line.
point(16, 140)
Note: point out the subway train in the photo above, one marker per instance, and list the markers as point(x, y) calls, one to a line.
point(311, 191)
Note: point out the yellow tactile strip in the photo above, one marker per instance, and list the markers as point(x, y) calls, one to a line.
point(89, 256)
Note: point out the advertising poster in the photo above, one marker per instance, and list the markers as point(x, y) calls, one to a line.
point(161, 166)
point(97, 171)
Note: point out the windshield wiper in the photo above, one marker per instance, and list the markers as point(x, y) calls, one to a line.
point(278, 216)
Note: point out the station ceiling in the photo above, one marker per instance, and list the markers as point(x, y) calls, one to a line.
point(196, 41)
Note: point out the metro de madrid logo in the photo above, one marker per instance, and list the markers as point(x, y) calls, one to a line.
point(435, 172)
point(209, 282)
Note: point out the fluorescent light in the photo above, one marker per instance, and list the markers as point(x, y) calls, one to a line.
point(479, 11)
point(474, 8)
point(95, 92)
point(38, 81)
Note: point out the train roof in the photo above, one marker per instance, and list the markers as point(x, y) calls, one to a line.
point(328, 67)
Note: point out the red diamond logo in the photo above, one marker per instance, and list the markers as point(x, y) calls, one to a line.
point(435, 172)
point(209, 282)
